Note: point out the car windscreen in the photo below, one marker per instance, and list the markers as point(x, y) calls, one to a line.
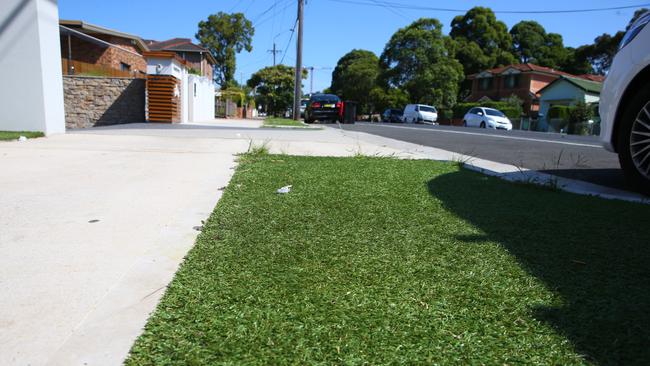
point(424, 108)
point(494, 112)
point(399, 112)
point(327, 98)
point(304, 102)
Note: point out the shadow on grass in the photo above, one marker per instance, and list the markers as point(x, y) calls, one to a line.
point(594, 253)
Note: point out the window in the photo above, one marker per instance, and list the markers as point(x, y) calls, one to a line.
point(494, 112)
point(327, 98)
point(125, 67)
point(485, 84)
point(425, 108)
point(511, 81)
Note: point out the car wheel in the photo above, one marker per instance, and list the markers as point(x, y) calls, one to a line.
point(482, 124)
point(634, 142)
point(464, 123)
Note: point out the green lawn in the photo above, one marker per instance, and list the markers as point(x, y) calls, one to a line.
point(376, 261)
point(275, 122)
point(13, 135)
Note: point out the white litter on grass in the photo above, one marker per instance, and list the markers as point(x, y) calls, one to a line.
point(22, 138)
point(284, 190)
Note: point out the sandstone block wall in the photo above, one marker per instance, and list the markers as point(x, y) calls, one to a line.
point(100, 101)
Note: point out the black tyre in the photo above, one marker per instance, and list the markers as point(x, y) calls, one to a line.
point(464, 123)
point(633, 143)
point(482, 124)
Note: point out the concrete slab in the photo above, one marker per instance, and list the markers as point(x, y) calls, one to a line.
point(76, 291)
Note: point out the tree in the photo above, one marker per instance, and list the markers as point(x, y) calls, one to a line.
point(274, 87)
point(224, 35)
point(417, 60)
point(532, 44)
point(355, 76)
point(484, 41)
point(381, 99)
point(528, 40)
point(574, 63)
point(601, 53)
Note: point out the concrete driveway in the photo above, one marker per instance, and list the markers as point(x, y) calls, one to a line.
point(92, 228)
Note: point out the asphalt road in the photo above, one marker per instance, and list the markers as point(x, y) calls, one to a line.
point(576, 157)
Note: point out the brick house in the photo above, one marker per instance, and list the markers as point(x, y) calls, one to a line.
point(198, 58)
point(522, 80)
point(88, 48)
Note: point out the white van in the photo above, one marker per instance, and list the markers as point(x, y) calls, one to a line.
point(420, 113)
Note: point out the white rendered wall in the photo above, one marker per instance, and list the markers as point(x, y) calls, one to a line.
point(164, 66)
point(201, 103)
point(185, 101)
point(31, 92)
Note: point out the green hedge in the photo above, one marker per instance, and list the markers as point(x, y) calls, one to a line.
point(562, 112)
point(510, 110)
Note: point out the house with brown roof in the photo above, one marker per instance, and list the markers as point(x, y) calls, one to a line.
point(199, 59)
point(521, 80)
point(94, 50)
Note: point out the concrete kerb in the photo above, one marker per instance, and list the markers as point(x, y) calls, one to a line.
point(507, 172)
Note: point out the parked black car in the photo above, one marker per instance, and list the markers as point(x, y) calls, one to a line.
point(324, 108)
point(392, 115)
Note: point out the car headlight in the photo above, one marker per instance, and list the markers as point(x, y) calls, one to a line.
point(635, 29)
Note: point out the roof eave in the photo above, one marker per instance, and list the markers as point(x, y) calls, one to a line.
point(95, 28)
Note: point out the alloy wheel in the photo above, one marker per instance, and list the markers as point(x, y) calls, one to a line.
point(640, 141)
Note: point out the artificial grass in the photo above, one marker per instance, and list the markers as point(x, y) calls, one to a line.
point(14, 135)
point(377, 260)
point(275, 121)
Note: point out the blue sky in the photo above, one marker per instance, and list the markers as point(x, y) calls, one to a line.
point(332, 28)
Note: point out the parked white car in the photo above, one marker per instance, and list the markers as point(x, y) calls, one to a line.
point(487, 118)
point(420, 113)
point(625, 105)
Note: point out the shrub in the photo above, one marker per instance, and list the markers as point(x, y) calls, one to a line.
point(561, 112)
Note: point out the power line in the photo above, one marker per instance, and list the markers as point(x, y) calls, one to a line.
point(260, 22)
point(384, 5)
point(234, 6)
point(290, 38)
point(260, 15)
point(417, 7)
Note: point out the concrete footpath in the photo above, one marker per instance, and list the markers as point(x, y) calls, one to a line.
point(94, 224)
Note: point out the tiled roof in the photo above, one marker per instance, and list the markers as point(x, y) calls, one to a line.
point(598, 78)
point(525, 68)
point(589, 86)
point(536, 68)
point(180, 45)
point(177, 44)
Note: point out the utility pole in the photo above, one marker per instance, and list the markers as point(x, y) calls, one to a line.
point(274, 51)
point(297, 89)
